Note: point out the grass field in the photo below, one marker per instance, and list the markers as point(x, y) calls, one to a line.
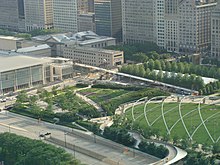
point(99, 95)
point(191, 124)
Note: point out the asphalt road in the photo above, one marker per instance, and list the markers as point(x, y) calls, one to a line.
point(31, 128)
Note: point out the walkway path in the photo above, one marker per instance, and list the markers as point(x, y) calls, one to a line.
point(89, 145)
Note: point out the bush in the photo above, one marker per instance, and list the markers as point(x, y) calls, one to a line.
point(152, 149)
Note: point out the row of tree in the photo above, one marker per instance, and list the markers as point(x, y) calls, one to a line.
point(141, 52)
point(183, 67)
point(152, 149)
point(119, 135)
point(179, 79)
point(210, 88)
point(18, 150)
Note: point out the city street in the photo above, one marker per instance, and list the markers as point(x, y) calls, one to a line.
point(31, 128)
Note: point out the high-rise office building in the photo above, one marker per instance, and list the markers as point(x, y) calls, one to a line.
point(171, 29)
point(82, 6)
point(159, 22)
point(108, 18)
point(138, 21)
point(38, 14)
point(195, 25)
point(12, 15)
point(65, 15)
point(215, 32)
point(91, 6)
point(86, 22)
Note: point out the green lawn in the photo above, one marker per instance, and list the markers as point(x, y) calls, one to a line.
point(99, 95)
point(191, 119)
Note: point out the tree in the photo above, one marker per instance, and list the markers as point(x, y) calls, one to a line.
point(180, 67)
point(168, 66)
point(163, 65)
point(19, 150)
point(141, 71)
point(216, 148)
point(22, 97)
point(140, 57)
point(147, 73)
point(151, 64)
point(174, 67)
point(160, 75)
point(157, 65)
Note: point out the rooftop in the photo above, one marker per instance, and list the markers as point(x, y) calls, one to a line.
point(95, 49)
point(11, 61)
point(10, 38)
point(33, 48)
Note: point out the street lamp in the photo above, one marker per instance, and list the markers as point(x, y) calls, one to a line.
point(94, 138)
point(65, 133)
point(74, 150)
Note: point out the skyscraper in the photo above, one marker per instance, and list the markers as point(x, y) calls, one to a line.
point(65, 15)
point(12, 15)
point(138, 21)
point(215, 32)
point(82, 6)
point(38, 14)
point(171, 29)
point(195, 25)
point(108, 18)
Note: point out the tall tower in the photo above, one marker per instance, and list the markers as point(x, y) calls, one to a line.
point(159, 22)
point(82, 6)
point(38, 14)
point(138, 21)
point(12, 15)
point(171, 25)
point(108, 18)
point(65, 15)
point(215, 32)
point(195, 25)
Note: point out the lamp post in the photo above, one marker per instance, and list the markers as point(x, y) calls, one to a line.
point(94, 138)
point(65, 133)
point(74, 150)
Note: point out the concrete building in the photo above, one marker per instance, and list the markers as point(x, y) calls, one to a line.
point(38, 14)
point(17, 72)
point(10, 43)
point(108, 18)
point(171, 28)
point(215, 32)
point(65, 15)
point(12, 15)
point(86, 22)
point(159, 22)
point(82, 6)
point(91, 39)
point(36, 51)
point(195, 25)
point(94, 56)
point(91, 6)
point(84, 39)
point(20, 72)
point(138, 21)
